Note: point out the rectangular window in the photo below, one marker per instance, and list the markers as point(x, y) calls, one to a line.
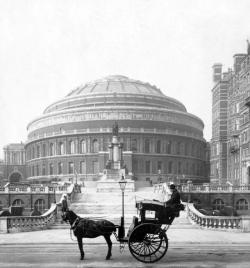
point(60, 167)
point(170, 167)
point(95, 167)
point(135, 165)
point(82, 167)
point(51, 169)
point(134, 145)
point(71, 167)
point(179, 168)
point(43, 170)
point(159, 166)
point(147, 167)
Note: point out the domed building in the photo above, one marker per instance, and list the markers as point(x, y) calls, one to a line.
point(161, 140)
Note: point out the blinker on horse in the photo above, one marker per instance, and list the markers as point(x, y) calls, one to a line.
point(86, 228)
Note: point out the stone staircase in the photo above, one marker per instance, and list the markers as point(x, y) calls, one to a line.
point(104, 205)
point(108, 205)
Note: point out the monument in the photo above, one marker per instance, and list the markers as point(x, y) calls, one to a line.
point(115, 167)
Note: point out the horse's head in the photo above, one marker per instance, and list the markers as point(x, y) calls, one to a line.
point(69, 216)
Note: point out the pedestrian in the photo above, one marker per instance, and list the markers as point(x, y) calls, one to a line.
point(64, 204)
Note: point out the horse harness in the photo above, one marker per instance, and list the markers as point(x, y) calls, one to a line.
point(74, 224)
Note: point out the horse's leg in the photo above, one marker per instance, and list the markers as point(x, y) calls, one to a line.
point(79, 240)
point(108, 240)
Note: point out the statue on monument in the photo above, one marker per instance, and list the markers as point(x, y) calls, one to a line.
point(115, 129)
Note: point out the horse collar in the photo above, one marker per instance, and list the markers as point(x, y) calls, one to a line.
point(74, 224)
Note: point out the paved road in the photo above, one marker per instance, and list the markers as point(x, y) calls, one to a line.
point(178, 255)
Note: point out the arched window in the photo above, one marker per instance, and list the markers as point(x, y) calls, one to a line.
point(51, 149)
point(61, 148)
point(40, 205)
point(60, 167)
point(95, 146)
point(51, 169)
point(218, 204)
point(158, 147)
point(242, 204)
point(18, 202)
point(83, 146)
point(147, 146)
point(71, 147)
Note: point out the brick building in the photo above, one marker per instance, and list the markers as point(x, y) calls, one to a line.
point(161, 140)
point(230, 150)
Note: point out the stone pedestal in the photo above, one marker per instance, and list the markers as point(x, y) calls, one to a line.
point(109, 182)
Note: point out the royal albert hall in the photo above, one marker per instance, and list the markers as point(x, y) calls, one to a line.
point(161, 140)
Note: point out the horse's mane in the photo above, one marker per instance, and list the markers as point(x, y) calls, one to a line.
point(72, 214)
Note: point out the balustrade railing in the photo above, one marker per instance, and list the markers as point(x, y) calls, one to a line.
point(216, 222)
point(31, 223)
point(28, 223)
point(213, 188)
point(34, 189)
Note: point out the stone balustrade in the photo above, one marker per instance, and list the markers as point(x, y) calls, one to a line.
point(214, 188)
point(240, 223)
point(34, 189)
point(28, 223)
point(31, 223)
point(206, 187)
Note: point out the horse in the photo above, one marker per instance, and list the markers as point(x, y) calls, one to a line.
point(87, 228)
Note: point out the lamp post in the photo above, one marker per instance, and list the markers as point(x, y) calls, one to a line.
point(122, 184)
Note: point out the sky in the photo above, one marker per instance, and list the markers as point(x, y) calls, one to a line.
point(48, 48)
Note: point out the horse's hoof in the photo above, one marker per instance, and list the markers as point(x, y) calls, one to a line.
point(82, 257)
point(108, 257)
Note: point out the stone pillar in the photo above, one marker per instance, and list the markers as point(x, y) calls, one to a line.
point(116, 156)
point(120, 151)
point(3, 225)
point(245, 223)
point(110, 152)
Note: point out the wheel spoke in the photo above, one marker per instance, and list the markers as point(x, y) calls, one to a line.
point(152, 245)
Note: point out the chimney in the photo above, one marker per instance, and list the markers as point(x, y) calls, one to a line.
point(237, 61)
point(217, 71)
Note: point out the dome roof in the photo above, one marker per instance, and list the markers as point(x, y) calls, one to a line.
point(115, 90)
point(117, 84)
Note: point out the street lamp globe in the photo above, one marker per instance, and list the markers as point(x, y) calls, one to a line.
point(122, 183)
